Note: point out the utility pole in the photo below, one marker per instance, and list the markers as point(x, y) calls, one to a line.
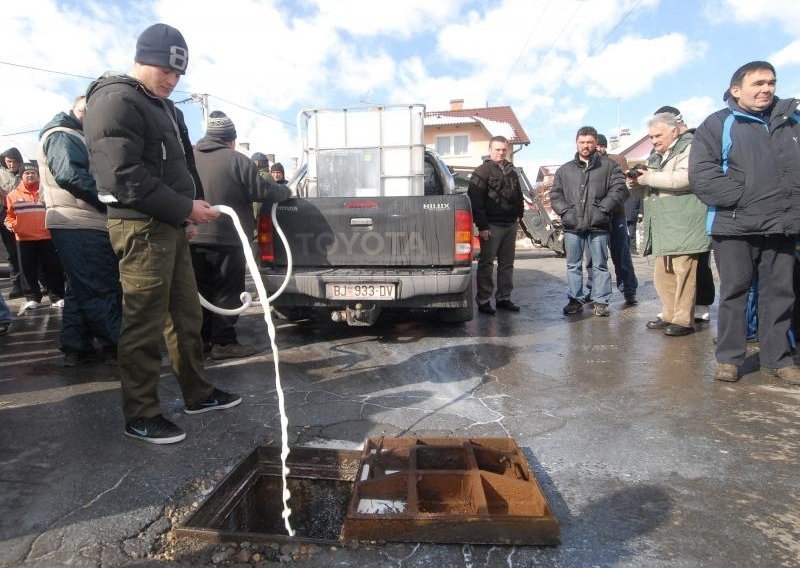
point(202, 99)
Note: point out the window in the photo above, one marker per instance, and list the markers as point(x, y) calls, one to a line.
point(452, 145)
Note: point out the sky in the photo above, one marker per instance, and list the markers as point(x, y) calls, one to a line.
point(560, 64)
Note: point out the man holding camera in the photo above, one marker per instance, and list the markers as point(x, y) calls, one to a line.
point(674, 223)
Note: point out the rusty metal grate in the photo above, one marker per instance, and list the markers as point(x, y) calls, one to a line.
point(477, 490)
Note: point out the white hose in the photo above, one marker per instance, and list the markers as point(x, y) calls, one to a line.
point(247, 301)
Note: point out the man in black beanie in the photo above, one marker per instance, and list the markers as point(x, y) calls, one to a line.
point(219, 263)
point(144, 167)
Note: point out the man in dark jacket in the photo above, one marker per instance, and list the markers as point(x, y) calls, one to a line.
point(496, 197)
point(228, 178)
point(10, 161)
point(77, 223)
point(585, 192)
point(745, 164)
point(278, 174)
point(619, 242)
point(142, 159)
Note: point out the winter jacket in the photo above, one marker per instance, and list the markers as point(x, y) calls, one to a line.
point(495, 194)
point(585, 194)
point(674, 219)
point(231, 178)
point(68, 188)
point(139, 151)
point(8, 179)
point(25, 214)
point(759, 193)
point(622, 162)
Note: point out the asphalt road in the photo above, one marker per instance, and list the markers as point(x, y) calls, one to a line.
point(645, 459)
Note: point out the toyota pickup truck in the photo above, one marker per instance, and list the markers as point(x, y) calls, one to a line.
point(377, 224)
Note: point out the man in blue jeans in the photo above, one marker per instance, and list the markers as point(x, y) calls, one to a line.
point(585, 192)
point(5, 316)
point(76, 220)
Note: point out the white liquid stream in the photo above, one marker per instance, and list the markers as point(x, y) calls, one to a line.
point(247, 301)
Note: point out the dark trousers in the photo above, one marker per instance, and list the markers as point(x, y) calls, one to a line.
point(159, 300)
point(619, 245)
point(738, 258)
point(93, 302)
point(32, 255)
point(501, 245)
point(705, 280)
point(13, 259)
point(219, 271)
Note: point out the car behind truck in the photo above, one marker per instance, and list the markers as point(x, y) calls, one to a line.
point(377, 223)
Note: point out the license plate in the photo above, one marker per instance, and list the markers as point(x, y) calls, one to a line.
point(360, 291)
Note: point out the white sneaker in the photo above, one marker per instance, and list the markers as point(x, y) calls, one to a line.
point(29, 305)
point(58, 304)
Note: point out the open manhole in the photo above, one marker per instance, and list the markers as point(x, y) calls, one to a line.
point(247, 505)
point(478, 490)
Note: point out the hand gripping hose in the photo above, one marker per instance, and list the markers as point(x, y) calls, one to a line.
point(247, 301)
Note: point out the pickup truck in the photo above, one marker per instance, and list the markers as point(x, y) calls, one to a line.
point(377, 224)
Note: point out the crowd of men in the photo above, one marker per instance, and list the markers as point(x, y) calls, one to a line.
point(120, 203)
point(731, 186)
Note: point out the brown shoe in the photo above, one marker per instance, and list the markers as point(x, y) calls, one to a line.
point(726, 372)
point(789, 375)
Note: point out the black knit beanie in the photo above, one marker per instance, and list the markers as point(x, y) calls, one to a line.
point(161, 45)
point(220, 126)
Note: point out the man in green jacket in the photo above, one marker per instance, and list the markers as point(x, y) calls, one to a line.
point(674, 224)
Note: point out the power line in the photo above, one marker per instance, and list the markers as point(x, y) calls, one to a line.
point(598, 46)
point(46, 70)
point(252, 110)
point(524, 46)
point(65, 74)
point(21, 132)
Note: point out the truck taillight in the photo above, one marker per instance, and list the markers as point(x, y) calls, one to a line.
point(463, 239)
point(265, 244)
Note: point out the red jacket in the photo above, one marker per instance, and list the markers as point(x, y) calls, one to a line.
point(25, 215)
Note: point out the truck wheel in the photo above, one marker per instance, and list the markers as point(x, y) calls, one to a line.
point(455, 315)
point(460, 315)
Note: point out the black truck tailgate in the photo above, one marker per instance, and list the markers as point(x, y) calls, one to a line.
point(370, 231)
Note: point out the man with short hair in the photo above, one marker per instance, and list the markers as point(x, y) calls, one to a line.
point(497, 206)
point(585, 192)
point(10, 161)
point(229, 178)
point(619, 242)
point(144, 167)
point(77, 223)
point(674, 224)
point(745, 165)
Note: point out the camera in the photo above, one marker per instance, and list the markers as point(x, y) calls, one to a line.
point(634, 172)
